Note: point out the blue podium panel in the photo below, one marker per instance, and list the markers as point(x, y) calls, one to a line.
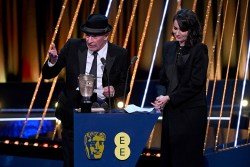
point(111, 139)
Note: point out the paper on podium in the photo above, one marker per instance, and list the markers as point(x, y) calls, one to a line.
point(133, 108)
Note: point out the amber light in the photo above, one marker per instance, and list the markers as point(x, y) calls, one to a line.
point(16, 142)
point(6, 142)
point(35, 144)
point(158, 155)
point(45, 145)
point(55, 146)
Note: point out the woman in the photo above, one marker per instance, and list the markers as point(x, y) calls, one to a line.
point(184, 106)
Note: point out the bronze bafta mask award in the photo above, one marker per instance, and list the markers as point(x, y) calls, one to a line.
point(86, 87)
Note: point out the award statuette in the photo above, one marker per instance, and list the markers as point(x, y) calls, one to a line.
point(86, 87)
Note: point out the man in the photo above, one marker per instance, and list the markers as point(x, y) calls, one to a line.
point(77, 57)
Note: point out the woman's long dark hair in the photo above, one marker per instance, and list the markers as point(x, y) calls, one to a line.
point(188, 21)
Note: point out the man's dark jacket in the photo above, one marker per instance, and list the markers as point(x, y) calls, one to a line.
point(73, 57)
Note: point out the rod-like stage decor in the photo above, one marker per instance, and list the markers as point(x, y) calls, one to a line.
point(145, 28)
point(56, 78)
point(154, 55)
point(237, 74)
point(242, 95)
point(40, 77)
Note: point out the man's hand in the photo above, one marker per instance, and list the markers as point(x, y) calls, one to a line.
point(53, 54)
point(106, 91)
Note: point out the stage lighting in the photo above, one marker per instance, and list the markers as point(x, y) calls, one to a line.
point(16, 142)
point(26, 143)
point(120, 104)
point(35, 144)
point(45, 145)
point(158, 155)
point(6, 142)
point(55, 146)
point(56, 104)
point(244, 103)
point(58, 121)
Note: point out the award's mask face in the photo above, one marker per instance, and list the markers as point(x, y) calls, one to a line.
point(94, 144)
point(86, 84)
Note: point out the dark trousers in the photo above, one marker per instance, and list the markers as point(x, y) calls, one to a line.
point(64, 112)
point(182, 140)
point(68, 147)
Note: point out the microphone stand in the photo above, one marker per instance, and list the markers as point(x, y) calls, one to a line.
point(104, 64)
point(125, 89)
point(109, 94)
point(126, 82)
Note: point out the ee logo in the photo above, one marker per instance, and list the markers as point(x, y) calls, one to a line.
point(122, 150)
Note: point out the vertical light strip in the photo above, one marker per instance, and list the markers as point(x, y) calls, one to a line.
point(156, 47)
point(93, 7)
point(226, 79)
point(145, 28)
point(206, 20)
point(211, 56)
point(178, 7)
point(117, 17)
point(242, 95)
point(211, 60)
point(216, 72)
point(194, 5)
point(130, 23)
point(40, 77)
point(57, 126)
point(56, 78)
point(107, 11)
point(248, 131)
point(126, 42)
point(91, 12)
point(237, 73)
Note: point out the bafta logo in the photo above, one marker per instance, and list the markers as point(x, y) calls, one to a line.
point(94, 144)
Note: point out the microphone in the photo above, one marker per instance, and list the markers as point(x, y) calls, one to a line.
point(131, 63)
point(104, 64)
point(103, 61)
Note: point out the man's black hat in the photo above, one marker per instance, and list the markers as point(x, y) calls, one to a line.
point(96, 24)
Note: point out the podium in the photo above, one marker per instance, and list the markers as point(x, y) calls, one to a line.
point(111, 139)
